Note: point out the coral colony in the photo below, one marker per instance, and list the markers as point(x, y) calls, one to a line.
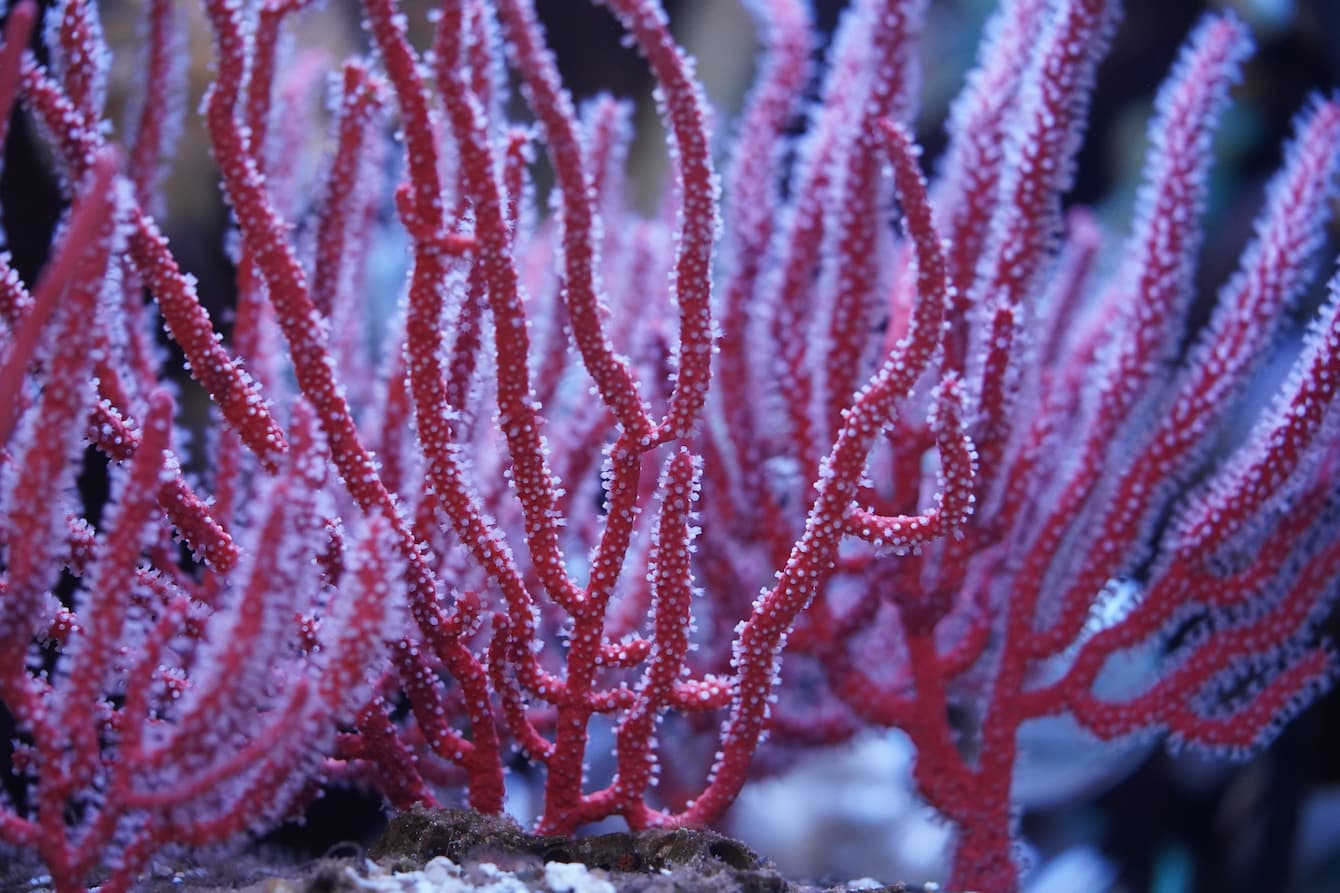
point(819, 449)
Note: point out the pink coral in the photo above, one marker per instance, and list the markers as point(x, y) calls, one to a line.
point(909, 467)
